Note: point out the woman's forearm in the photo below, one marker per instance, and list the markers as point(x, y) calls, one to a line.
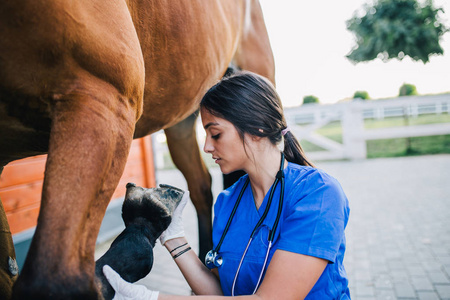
point(199, 278)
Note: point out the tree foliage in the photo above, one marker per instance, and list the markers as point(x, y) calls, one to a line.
point(361, 95)
point(395, 29)
point(407, 90)
point(310, 99)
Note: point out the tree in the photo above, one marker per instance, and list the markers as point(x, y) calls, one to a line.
point(407, 90)
point(395, 29)
point(310, 99)
point(361, 95)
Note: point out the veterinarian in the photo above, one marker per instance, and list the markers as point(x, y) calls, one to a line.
point(278, 232)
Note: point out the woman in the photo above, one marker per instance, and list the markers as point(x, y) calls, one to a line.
point(278, 232)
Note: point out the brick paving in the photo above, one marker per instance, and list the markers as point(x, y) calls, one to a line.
point(398, 236)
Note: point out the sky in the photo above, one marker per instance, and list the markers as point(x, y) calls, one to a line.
point(310, 41)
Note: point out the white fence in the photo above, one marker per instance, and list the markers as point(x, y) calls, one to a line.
point(306, 119)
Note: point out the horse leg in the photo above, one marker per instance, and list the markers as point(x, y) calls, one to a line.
point(8, 265)
point(91, 134)
point(185, 153)
point(254, 52)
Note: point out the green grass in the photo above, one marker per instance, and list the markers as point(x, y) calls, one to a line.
point(408, 146)
point(332, 130)
point(392, 147)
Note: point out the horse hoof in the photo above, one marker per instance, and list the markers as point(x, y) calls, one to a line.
point(150, 203)
point(146, 213)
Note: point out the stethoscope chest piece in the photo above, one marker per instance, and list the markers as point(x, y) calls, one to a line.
point(213, 259)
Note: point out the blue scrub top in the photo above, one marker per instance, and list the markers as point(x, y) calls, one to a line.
point(314, 216)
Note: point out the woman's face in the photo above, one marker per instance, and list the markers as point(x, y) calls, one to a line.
point(223, 143)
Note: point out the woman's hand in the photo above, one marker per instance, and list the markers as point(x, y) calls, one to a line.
point(125, 290)
point(175, 229)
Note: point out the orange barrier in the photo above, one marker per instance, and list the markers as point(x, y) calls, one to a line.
point(21, 183)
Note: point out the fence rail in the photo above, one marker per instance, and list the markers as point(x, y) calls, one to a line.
point(306, 119)
point(394, 107)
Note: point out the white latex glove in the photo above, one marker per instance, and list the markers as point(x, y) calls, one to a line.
point(125, 290)
point(176, 228)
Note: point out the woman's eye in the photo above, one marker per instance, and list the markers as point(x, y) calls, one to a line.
point(215, 136)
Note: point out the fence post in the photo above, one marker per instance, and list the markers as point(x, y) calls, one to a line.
point(352, 131)
point(379, 113)
point(439, 106)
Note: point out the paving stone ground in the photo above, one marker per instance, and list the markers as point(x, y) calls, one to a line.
point(398, 236)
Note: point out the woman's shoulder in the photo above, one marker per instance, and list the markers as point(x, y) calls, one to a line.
point(305, 179)
point(299, 173)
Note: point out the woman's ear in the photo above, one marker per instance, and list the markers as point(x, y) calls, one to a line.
point(256, 138)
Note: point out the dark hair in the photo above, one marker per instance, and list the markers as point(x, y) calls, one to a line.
point(251, 103)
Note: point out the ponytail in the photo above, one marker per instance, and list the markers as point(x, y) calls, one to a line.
point(294, 152)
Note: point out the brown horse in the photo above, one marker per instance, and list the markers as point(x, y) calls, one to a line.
point(80, 79)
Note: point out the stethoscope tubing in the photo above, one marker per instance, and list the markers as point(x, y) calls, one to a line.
point(242, 260)
point(240, 264)
point(264, 266)
point(279, 178)
point(233, 212)
point(270, 237)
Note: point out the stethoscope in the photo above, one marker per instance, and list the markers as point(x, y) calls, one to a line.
point(213, 259)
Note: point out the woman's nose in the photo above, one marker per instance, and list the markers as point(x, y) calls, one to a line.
point(208, 148)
